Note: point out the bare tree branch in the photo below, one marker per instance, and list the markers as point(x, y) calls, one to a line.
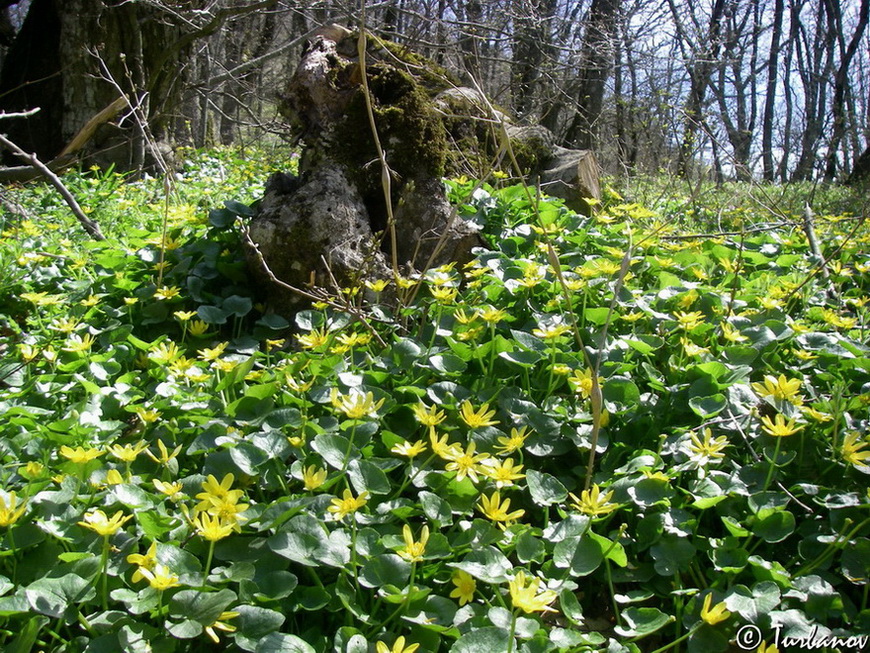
point(89, 225)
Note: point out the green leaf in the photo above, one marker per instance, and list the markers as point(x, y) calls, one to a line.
point(237, 305)
point(384, 569)
point(221, 218)
point(26, 638)
point(201, 607)
point(672, 555)
point(211, 314)
point(774, 526)
point(239, 209)
point(529, 548)
point(435, 508)
point(489, 639)
point(487, 564)
point(707, 407)
point(611, 550)
point(641, 622)
point(368, 477)
point(334, 449)
point(598, 316)
point(257, 622)
point(281, 643)
point(447, 364)
point(545, 489)
point(755, 604)
point(582, 555)
point(52, 596)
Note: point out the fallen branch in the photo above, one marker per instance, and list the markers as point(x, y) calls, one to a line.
point(89, 225)
point(22, 174)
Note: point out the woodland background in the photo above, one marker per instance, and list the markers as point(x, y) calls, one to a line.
point(777, 90)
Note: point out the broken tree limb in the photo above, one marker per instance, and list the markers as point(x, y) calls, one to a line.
point(22, 174)
point(89, 225)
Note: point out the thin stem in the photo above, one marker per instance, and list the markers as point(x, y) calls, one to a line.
point(773, 464)
point(104, 564)
point(513, 631)
point(208, 560)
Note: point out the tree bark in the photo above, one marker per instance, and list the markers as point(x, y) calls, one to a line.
point(767, 164)
point(597, 59)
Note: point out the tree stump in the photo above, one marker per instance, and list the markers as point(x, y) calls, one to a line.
point(329, 224)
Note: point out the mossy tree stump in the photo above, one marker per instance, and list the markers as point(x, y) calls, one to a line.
point(330, 221)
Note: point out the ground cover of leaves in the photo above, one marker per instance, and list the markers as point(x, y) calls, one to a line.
point(181, 468)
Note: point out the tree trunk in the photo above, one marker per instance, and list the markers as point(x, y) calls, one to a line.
point(597, 58)
point(841, 81)
point(767, 165)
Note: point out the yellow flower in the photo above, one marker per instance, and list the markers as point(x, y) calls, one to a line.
point(211, 527)
point(778, 427)
point(413, 551)
point(689, 321)
point(852, 450)
point(764, 648)
point(465, 587)
point(376, 285)
point(169, 489)
point(552, 332)
point(817, 415)
point(514, 443)
point(64, 324)
point(707, 450)
point(10, 512)
point(428, 417)
point(347, 505)
point(463, 318)
point(28, 352)
point(197, 328)
point(732, 334)
point(99, 522)
point(80, 455)
point(692, 349)
point(147, 561)
point(274, 343)
point(354, 339)
point(32, 470)
point(184, 316)
point(128, 452)
point(165, 456)
point(497, 510)
point(77, 344)
point(213, 353)
point(409, 450)
point(356, 405)
point(220, 624)
point(592, 502)
point(441, 447)
point(714, 615)
point(165, 353)
point(581, 381)
point(504, 472)
point(167, 292)
point(779, 388)
point(90, 300)
point(313, 477)
point(398, 647)
point(491, 315)
point(526, 596)
point(113, 477)
point(443, 294)
point(465, 463)
point(315, 339)
point(161, 578)
point(479, 418)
